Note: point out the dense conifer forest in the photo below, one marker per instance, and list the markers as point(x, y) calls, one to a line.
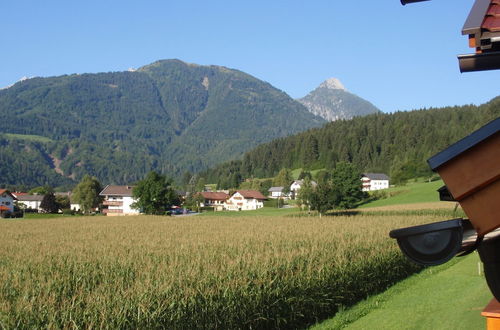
point(397, 144)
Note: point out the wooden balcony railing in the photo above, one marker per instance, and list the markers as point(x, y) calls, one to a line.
point(113, 203)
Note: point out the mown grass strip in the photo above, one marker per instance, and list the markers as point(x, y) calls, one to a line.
point(450, 296)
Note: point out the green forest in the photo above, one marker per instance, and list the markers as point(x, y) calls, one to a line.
point(397, 144)
point(168, 116)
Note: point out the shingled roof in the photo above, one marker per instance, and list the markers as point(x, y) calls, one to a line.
point(252, 194)
point(376, 176)
point(215, 196)
point(483, 27)
point(110, 190)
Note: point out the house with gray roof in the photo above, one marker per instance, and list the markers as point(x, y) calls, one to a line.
point(374, 181)
point(118, 200)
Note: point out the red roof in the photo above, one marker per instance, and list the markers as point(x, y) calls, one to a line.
point(216, 196)
point(2, 191)
point(492, 19)
point(111, 190)
point(252, 194)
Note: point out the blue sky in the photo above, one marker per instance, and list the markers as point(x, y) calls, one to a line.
point(398, 57)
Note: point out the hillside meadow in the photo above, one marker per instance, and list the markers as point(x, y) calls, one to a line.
point(194, 272)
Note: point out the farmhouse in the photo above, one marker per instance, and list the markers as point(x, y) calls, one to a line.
point(27, 201)
point(118, 200)
point(6, 202)
point(296, 185)
point(214, 199)
point(276, 192)
point(374, 181)
point(244, 200)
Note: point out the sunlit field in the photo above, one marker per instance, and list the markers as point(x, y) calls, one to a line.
point(416, 206)
point(193, 272)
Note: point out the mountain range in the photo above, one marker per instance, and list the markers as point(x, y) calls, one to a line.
point(169, 116)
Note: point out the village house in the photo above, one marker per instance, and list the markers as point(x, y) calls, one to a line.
point(277, 192)
point(244, 200)
point(6, 202)
point(374, 181)
point(118, 200)
point(30, 202)
point(297, 185)
point(214, 199)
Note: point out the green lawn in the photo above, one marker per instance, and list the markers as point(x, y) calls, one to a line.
point(27, 137)
point(450, 296)
point(415, 192)
point(296, 172)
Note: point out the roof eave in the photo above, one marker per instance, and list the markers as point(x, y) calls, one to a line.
point(476, 17)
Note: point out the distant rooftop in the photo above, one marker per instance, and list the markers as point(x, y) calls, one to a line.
point(111, 190)
point(376, 176)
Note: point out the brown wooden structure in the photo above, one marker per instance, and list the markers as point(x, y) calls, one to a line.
point(470, 169)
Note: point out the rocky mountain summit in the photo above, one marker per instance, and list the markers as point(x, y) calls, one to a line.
point(331, 101)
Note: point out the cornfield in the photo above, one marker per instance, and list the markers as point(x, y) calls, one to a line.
point(193, 272)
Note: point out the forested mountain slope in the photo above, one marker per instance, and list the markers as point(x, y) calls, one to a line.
point(388, 143)
point(169, 116)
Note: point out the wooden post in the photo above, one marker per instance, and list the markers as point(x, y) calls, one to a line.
point(492, 314)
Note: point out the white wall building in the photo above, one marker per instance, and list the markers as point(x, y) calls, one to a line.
point(214, 199)
point(245, 200)
point(118, 200)
point(296, 185)
point(276, 192)
point(374, 181)
point(6, 201)
point(27, 201)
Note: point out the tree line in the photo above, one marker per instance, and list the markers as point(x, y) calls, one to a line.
point(397, 144)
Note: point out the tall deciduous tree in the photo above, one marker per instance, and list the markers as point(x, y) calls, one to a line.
point(305, 193)
point(154, 194)
point(346, 179)
point(283, 179)
point(325, 197)
point(87, 192)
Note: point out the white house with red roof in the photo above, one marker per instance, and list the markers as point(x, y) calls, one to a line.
point(245, 200)
point(214, 199)
point(118, 200)
point(6, 202)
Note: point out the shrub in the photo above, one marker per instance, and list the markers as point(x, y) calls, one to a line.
point(68, 212)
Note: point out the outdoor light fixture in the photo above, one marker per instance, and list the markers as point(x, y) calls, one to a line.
point(435, 243)
point(404, 2)
point(470, 169)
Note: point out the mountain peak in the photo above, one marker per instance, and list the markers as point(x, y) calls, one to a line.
point(332, 101)
point(333, 83)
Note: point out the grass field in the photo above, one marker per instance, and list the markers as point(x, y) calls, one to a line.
point(414, 192)
point(27, 137)
point(450, 296)
point(193, 272)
